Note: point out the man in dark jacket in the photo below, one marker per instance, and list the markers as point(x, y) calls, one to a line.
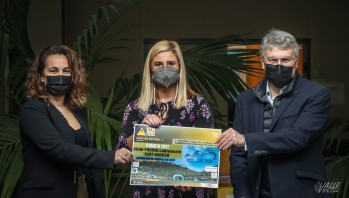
point(278, 128)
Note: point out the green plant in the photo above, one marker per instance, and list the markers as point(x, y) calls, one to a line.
point(336, 150)
point(16, 55)
point(210, 69)
point(92, 45)
point(10, 154)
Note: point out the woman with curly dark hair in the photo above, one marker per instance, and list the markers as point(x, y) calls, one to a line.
point(59, 160)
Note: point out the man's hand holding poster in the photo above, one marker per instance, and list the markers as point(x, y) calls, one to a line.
point(171, 155)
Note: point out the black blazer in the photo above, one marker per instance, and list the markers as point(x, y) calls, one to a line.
point(293, 146)
point(51, 157)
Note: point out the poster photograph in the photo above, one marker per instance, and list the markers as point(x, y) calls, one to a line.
point(171, 155)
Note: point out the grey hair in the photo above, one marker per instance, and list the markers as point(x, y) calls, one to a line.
point(279, 39)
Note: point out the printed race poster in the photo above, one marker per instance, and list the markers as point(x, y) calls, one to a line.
point(171, 155)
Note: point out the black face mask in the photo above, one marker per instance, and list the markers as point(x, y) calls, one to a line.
point(278, 75)
point(58, 85)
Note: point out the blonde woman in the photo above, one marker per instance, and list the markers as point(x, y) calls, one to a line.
point(165, 99)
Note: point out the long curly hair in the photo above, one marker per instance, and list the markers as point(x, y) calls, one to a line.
point(35, 87)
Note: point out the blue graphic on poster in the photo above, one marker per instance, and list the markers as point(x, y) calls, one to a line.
point(196, 157)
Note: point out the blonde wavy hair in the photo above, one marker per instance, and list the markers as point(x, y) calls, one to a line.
point(147, 91)
point(36, 89)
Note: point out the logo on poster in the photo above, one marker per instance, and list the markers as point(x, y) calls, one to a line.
point(150, 131)
point(141, 132)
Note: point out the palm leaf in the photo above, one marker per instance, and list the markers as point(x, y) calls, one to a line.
point(337, 136)
point(125, 90)
point(10, 154)
point(100, 124)
point(16, 55)
point(213, 67)
point(336, 152)
point(102, 128)
point(99, 38)
point(19, 50)
point(93, 46)
point(337, 171)
point(119, 176)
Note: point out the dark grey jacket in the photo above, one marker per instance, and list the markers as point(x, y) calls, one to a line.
point(293, 146)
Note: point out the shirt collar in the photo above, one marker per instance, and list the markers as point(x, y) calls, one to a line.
point(268, 92)
point(262, 91)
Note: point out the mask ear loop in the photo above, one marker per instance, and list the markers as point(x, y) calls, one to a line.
point(154, 91)
point(175, 98)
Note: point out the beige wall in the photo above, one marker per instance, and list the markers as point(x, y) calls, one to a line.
point(323, 22)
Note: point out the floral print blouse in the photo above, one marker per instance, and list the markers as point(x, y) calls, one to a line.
point(196, 113)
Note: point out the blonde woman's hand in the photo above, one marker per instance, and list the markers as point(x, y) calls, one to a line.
point(152, 120)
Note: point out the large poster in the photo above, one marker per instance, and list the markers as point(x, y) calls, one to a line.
point(171, 155)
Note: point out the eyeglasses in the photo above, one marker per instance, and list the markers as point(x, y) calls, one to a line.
point(168, 64)
point(283, 61)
